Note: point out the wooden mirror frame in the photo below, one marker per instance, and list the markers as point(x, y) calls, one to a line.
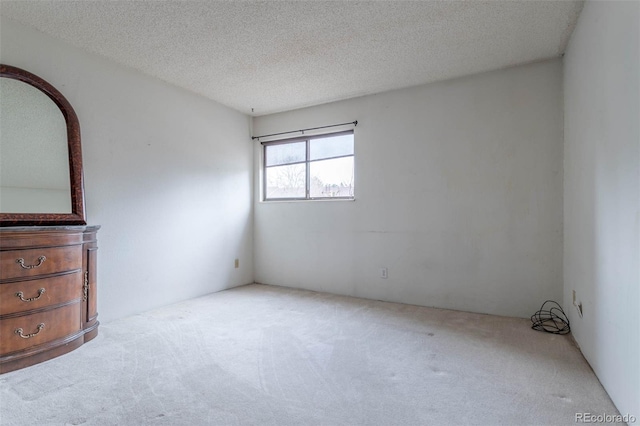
point(77, 215)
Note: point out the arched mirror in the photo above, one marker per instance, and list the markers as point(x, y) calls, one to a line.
point(41, 180)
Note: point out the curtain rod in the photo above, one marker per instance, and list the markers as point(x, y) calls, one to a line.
point(355, 123)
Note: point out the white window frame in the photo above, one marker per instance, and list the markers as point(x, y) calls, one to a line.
point(307, 162)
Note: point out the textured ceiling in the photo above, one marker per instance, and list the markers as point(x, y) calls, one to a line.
point(275, 56)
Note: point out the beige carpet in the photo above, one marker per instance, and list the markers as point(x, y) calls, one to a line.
point(262, 355)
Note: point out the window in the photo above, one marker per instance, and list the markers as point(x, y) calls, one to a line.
point(309, 168)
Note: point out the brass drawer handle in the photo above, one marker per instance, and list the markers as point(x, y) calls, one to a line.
point(41, 260)
point(30, 299)
point(26, 336)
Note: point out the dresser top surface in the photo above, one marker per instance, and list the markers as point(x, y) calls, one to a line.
point(61, 228)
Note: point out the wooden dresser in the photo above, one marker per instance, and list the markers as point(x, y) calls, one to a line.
point(47, 292)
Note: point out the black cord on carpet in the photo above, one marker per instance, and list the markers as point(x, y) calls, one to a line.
point(552, 320)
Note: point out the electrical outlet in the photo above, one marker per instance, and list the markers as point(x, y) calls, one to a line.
point(237, 263)
point(384, 273)
point(577, 304)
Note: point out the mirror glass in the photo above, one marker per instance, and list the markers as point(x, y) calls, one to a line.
point(34, 153)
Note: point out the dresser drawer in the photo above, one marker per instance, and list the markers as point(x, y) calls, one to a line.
point(38, 328)
point(34, 294)
point(41, 261)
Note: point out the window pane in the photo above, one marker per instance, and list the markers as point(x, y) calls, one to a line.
point(285, 153)
point(285, 181)
point(331, 147)
point(332, 178)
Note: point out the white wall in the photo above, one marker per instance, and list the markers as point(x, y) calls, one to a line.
point(602, 194)
point(168, 175)
point(458, 194)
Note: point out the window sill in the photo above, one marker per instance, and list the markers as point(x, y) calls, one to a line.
point(314, 200)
